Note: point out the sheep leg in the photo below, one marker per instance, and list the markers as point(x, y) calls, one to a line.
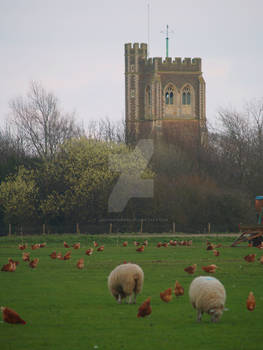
point(199, 315)
point(134, 299)
point(119, 299)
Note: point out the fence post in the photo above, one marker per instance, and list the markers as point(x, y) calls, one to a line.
point(77, 228)
point(173, 227)
point(209, 227)
point(44, 229)
point(9, 230)
point(141, 226)
point(110, 231)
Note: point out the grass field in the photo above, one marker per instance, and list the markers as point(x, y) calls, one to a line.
point(70, 309)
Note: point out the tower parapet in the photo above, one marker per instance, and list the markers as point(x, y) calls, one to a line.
point(167, 64)
point(193, 65)
point(136, 49)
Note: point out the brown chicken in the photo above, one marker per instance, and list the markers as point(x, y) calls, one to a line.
point(140, 249)
point(22, 246)
point(145, 243)
point(209, 268)
point(35, 246)
point(11, 316)
point(159, 245)
point(53, 255)
point(191, 269)
point(145, 309)
point(166, 295)
point(33, 263)
point(125, 244)
point(95, 244)
point(67, 256)
point(210, 247)
point(216, 252)
point(89, 251)
point(13, 261)
point(66, 245)
point(251, 301)
point(178, 290)
point(261, 259)
point(165, 245)
point(25, 256)
point(100, 249)
point(42, 245)
point(60, 256)
point(10, 267)
point(76, 245)
point(80, 264)
point(250, 257)
point(219, 245)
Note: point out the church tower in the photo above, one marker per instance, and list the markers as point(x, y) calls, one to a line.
point(164, 99)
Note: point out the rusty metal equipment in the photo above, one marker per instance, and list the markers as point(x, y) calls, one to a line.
point(252, 233)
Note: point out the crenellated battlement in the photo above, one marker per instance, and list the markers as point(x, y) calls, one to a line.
point(136, 49)
point(163, 64)
point(177, 64)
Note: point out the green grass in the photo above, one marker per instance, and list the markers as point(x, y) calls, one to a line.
point(66, 308)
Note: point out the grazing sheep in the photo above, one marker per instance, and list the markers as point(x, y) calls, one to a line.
point(126, 280)
point(207, 294)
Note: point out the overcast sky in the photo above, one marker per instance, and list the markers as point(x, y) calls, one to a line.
point(75, 48)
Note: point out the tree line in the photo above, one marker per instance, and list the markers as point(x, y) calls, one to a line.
point(53, 171)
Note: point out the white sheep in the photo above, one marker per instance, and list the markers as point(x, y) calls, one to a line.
point(207, 294)
point(126, 280)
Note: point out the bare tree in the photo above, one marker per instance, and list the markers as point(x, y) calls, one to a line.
point(237, 148)
point(40, 123)
point(254, 111)
point(236, 140)
point(106, 130)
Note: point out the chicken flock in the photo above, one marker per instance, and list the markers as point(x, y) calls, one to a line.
point(11, 316)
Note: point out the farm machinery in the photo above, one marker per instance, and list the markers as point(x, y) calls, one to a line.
point(252, 233)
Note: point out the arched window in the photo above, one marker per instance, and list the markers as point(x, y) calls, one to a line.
point(186, 96)
point(169, 96)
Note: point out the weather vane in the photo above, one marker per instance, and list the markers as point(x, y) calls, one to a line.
point(167, 32)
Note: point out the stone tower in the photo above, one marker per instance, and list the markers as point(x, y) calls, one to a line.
point(164, 99)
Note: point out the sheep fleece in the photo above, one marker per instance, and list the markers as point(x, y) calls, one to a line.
point(127, 278)
point(207, 293)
